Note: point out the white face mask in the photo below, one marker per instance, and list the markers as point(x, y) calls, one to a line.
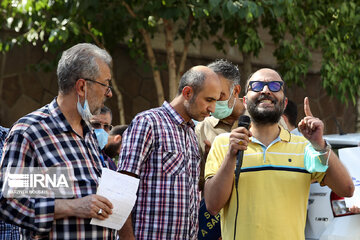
point(84, 111)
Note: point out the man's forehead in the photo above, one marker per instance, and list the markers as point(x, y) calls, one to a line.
point(266, 75)
point(102, 117)
point(212, 86)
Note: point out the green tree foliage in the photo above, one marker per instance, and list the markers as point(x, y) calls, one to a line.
point(297, 28)
point(331, 27)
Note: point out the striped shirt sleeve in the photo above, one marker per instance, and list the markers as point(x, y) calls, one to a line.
point(137, 142)
point(36, 214)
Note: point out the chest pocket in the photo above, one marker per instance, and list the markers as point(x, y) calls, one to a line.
point(172, 161)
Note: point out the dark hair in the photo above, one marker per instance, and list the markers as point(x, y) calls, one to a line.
point(79, 61)
point(118, 130)
point(227, 69)
point(105, 110)
point(194, 79)
point(291, 112)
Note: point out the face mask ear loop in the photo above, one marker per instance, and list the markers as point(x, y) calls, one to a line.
point(82, 105)
point(232, 90)
point(85, 91)
point(234, 102)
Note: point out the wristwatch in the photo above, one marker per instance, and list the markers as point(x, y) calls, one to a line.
point(327, 147)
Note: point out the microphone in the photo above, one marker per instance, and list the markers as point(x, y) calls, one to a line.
point(244, 121)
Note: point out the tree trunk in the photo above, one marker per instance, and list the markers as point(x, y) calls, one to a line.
point(246, 70)
point(156, 72)
point(120, 102)
point(187, 40)
point(151, 57)
point(170, 56)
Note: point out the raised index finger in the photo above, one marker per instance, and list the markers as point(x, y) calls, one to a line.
point(307, 107)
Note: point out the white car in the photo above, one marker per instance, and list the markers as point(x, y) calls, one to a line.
point(328, 216)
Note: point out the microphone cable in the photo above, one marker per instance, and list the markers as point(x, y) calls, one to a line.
point(244, 121)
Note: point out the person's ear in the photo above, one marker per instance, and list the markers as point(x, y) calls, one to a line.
point(285, 102)
point(187, 92)
point(237, 90)
point(117, 138)
point(80, 87)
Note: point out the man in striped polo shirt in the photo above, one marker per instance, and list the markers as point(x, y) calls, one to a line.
point(278, 168)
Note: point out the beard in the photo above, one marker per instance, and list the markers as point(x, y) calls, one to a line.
point(112, 149)
point(265, 116)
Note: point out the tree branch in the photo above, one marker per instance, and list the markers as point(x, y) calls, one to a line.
point(96, 40)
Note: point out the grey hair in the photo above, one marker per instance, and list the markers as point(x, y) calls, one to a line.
point(194, 79)
point(79, 61)
point(227, 69)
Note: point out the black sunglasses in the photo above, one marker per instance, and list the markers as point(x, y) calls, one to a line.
point(98, 125)
point(258, 86)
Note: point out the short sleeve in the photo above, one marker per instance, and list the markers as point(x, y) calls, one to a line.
point(136, 145)
point(216, 154)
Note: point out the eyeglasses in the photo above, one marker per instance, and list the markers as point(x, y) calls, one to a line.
point(98, 125)
point(109, 88)
point(258, 86)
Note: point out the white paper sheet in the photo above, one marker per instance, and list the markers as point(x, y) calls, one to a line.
point(350, 157)
point(120, 189)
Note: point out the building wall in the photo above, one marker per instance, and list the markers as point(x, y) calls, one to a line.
point(26, 88)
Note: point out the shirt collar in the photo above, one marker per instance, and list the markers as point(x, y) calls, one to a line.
point(60, 119)
point(213, 121)
point(284, 134)
point(175, 116)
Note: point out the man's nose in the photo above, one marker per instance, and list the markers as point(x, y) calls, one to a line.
point(211, 107)
point(109, 95)
point(265, 89)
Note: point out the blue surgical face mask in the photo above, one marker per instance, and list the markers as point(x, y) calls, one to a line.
point(222, 109)
point(84, 111)
point(102, 137)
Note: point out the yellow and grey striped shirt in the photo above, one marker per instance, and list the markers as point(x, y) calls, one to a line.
point(273, 188)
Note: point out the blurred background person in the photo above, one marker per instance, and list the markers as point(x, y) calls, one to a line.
point(227, 111)
point(112, 148)
point(102, 127)
point(289, 116)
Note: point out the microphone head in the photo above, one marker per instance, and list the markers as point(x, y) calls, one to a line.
point(244, 121)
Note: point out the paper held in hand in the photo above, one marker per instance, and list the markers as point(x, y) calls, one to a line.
point(350, 158)
point(120, 189)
